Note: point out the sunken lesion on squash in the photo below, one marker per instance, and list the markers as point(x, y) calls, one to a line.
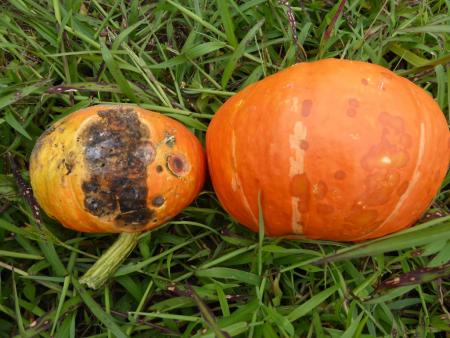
point(178, 165)
point(117, 151)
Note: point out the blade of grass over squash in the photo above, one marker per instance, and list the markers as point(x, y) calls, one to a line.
point(238, 53)
point(117, 74)
point(97, 311)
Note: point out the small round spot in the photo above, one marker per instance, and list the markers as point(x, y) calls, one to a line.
point(304, 145)
point(299, 185)
point(306, 107)
point(351, 112)
point(159, 168)
point(178, 165)
point(364, 82)
point(352, 102)
point(320, 190)
point(340, 175)
point(324, 208)
point(158, 201)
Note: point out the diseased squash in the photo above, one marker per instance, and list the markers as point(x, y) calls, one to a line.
point(337, 149)
point(115, 168)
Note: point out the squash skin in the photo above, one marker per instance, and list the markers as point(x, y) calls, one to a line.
point(137, 180)
point(338, 150)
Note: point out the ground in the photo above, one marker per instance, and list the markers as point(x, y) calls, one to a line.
point(202, 274)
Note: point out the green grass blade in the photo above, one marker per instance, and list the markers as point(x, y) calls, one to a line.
point(238, 53)
point(311, 304)
point(227, 21)
point(419, 235)
point(98, 312)
point(117, 73)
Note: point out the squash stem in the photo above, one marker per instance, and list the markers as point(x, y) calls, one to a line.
point(107, 264)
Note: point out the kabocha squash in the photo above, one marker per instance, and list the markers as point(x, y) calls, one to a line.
point(116, 168)
point(336, 149)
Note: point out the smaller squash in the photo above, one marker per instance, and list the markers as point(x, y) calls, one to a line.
point(116, 168)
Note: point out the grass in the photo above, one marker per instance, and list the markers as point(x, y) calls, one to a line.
point(202, 274)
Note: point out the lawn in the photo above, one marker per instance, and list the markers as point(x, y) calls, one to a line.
point(202, 274)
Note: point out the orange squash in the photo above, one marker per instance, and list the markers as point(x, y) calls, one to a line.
point(115, 168)
point(336, 149)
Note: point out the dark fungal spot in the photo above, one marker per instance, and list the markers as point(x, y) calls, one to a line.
point(169, 139)
point(177, 164)
point(69, 162)
point(340, 175)
point(304, 145)
point(136, 218)
point(159, 168)
point(117, 151)
point(158, 201)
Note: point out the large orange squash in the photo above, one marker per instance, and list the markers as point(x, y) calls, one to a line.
point(116, 169)
point(337, 149)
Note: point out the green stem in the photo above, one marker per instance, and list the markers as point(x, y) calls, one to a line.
point(107, 264)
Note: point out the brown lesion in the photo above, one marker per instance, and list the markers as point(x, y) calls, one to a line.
point(69, 162)
point(158, 201)
point(300, 187)
point(178, 164)
point(117, 150)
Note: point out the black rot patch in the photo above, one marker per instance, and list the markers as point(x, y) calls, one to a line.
point(117, 151)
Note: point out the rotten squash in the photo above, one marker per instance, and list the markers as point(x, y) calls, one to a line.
point(116, 168)
point(335, 149)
